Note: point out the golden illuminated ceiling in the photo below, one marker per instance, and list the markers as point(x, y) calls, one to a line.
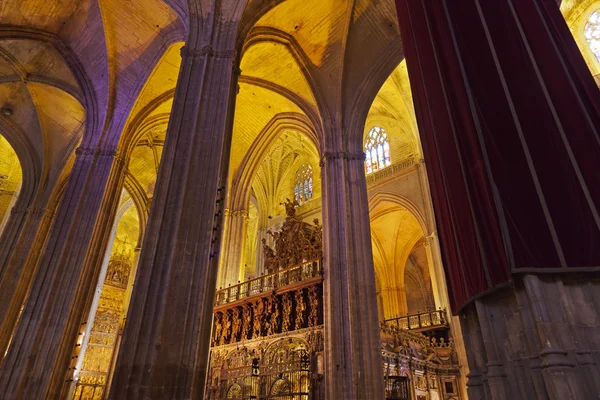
point(317, 25)
point(283, 71)
point(42, 98)
point(144, 135)
point(393, 110)
point(255, 107)
point(274, 180)
point(394, 232)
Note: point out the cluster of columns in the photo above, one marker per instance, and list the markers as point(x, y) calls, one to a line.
point(166, 340)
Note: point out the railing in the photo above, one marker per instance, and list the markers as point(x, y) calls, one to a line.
point(425, 320)
point(268, 283)
point(391, 170)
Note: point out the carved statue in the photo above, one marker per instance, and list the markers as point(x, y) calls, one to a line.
point(258, 316)
point(247, 322)
point(270, 260)
point(313, 301)
point(236, 324)
point(218, 329)
point(287, 306)
point(226, 328)
point(290, 207)
point(300, 309)
point(317, 240)
point(273, 323)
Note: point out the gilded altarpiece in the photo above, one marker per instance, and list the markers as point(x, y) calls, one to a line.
point(267, 340)
point(99, 350)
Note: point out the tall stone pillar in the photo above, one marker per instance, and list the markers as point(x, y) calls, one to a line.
point(166, 340)
point(233, 247)
point(20, 267)
point(9, 234)
point(509, 117)
point(42, 345)
point(353, 364)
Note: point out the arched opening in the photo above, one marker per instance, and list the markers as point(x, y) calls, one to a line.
point(10, 180)
point(101, 333)
point(142, 143)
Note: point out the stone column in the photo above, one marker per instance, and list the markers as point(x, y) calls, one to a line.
point(60, 294)
point(556, 336)
point(15, 282)
point(10, 234)
point(233, 247)
point(166, 340)
point(508, 117)
point(260, 257)
point(132, 275)
point(353, 364)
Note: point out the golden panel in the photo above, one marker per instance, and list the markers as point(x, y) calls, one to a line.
point(97, 358)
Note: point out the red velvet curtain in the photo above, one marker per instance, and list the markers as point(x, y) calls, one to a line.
point(508, 118)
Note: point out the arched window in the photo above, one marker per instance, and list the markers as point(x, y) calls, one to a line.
point(377, 150)
point(592, 33)
point(303, 184)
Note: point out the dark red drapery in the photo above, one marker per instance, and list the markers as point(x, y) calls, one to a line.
point(508, 117)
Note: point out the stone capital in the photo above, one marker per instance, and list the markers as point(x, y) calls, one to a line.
point(207, 51)
point(236, 213)
point(342, 155)
point(95, 151)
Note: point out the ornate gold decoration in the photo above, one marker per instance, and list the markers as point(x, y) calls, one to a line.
point(286, 305)
point(247, 322)
point(300, 308)
point(314, 303)
point(119, 266)
point(236, 324)
point(296, 243)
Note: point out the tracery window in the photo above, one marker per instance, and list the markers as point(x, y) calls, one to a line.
point(592, 33)
point(377, 150)
point(303, 184)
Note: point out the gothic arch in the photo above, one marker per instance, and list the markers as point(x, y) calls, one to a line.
point(366, 92)
point(305, 106)
point(260, 34)
point(240, 193)
point(31, 165)
point(402, 201)
point(143, 121)
point(88, 95)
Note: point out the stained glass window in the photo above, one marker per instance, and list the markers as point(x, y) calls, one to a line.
point(592, 33)
point(377, 150)
point(303, 184)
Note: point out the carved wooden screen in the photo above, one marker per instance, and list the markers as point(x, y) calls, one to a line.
point(239, 378)
point(285, 371)
point(396, 388)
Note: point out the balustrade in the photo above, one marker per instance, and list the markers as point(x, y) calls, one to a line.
point(268, 283)
point(420, 321)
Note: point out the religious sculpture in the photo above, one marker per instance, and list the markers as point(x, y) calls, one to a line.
point(269, 256)
point(226, 328)
point(290, 207)
point(313, 300)
point(218, 329)
point(247, 321)
point(236, 324)
point(287, 306)
point(274, 317)
point(258, 316)
point(295, 243)
point(300, 309)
